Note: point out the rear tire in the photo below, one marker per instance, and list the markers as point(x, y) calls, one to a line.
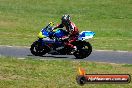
point(84, 49)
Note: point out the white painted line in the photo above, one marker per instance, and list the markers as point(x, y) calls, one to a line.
point(14, 46)
point(21, 58)
point(123, 51)
point(9, 46)
point(103, 50)
point(113, 51)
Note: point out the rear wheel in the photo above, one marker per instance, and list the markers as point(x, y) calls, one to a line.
point(84, 49)
point(38, 50)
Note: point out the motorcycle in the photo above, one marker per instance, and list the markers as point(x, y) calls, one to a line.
point(51, 42)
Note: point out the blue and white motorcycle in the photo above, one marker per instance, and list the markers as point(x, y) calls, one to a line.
point(51, 42)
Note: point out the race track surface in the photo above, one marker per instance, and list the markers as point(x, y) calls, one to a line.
point(99, 56)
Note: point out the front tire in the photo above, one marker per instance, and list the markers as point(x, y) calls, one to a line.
point(38, 50)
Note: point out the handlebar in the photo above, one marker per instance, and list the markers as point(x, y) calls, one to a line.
point(49, 25)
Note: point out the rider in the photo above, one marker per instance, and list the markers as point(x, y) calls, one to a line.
point(71, 29)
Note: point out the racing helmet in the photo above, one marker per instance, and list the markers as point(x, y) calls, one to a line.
point(66, 19)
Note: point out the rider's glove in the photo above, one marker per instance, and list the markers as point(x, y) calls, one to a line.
point(52, 29)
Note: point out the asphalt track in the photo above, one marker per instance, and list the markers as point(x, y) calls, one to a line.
point(120, 57)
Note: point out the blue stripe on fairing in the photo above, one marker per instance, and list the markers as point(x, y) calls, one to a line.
point(84, 34)
point(44, 32)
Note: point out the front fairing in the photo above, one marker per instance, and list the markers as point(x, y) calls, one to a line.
point(43, 34)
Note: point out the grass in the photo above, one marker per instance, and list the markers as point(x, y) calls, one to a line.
point(21, 20)
point(34, 73)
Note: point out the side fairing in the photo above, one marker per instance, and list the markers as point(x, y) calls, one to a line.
point(59, 33)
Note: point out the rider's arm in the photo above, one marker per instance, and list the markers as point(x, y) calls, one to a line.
point(58, 26)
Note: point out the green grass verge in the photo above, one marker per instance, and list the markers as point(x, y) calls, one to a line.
point(21, 20)
point(34, 73)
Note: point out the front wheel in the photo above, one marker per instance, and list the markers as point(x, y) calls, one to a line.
point(37, 49)
point(84, 50)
